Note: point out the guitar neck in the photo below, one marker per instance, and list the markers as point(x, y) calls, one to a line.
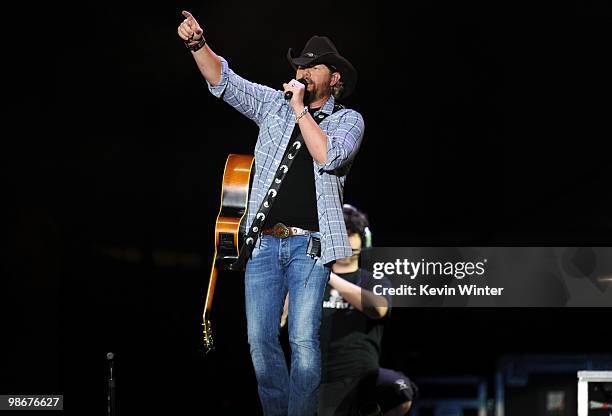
point(210, 292)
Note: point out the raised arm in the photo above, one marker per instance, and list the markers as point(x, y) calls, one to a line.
point(208, 62)
point(251, 99)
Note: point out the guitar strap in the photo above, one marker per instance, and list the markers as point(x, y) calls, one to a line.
point(253, 233)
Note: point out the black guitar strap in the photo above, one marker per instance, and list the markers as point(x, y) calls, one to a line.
point(253, 233)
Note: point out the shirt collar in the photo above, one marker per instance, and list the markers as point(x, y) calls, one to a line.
point(328, 107)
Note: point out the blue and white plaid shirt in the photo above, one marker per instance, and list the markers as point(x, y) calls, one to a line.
point(269, 109)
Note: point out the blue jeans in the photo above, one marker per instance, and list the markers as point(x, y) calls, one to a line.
point(278, 266)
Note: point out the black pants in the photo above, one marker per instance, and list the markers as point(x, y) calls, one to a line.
point(362, 395)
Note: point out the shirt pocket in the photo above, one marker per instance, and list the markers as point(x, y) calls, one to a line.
point(273, 131)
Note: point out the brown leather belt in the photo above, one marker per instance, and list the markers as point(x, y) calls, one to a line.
point(280, 230)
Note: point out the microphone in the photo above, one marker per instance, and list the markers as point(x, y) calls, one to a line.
point(289, 94)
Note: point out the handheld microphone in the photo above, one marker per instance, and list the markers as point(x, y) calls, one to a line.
point(289, 94)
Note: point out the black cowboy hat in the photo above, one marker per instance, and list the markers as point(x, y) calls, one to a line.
point(321, 50)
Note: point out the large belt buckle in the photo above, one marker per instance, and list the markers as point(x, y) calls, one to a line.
point(280, 230)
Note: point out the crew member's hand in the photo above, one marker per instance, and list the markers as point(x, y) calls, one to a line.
point(189, 29)
point(297, 88)
point(283, 321)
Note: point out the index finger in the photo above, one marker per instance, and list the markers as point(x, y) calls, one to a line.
point(187, 15)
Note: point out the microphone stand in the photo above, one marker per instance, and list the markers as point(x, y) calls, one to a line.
point(111, 400)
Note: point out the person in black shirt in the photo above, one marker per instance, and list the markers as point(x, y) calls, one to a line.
point(351, 335)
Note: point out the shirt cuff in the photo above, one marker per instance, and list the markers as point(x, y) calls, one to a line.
point(330, 157)
point(217, 90)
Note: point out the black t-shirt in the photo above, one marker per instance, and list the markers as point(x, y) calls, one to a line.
point(296, 203)
point(350, 341)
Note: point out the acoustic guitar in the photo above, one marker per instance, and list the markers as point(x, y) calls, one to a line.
point(228, 229)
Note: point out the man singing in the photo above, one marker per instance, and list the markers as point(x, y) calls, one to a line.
point(304, 232)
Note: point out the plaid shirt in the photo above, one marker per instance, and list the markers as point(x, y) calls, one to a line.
point(269, 109)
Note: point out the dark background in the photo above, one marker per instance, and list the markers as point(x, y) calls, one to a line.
point(484, 126)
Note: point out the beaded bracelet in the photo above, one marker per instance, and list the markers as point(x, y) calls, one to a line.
point(298, 117)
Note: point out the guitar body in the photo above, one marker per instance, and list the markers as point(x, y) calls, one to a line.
point(234, 199)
